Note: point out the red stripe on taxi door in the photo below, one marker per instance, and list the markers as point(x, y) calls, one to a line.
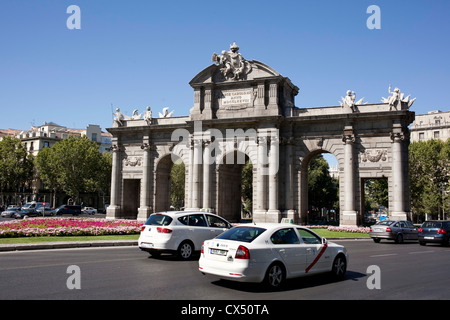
point(317, 258)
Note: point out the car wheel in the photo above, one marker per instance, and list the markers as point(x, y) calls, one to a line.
point(399, 238)
point(376, 240)
point(422, 243)
point(339, 267)
point(185, 250)
point(275, 276)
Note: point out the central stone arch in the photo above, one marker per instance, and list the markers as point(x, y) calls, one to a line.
point(244, 107)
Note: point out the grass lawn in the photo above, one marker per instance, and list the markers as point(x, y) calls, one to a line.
point(334, 234)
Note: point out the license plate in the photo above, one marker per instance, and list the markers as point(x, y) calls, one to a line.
point(146, 245)
point(219, 252)
point(429, 238)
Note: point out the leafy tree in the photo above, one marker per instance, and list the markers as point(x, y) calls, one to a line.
point(322, 190)
point(16, 165)
point(429, 176)
point(177, 185)
point(376, 193)
point(75, 165)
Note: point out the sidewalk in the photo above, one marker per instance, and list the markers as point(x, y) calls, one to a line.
point(66, 244)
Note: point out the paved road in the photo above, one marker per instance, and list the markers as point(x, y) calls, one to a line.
point(408, 271)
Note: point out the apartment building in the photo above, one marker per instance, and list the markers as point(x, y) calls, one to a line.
point(433, 125)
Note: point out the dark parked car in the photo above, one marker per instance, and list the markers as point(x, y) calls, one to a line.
point(437, 231)
point(393, 230)
point(23, 214)
point(69, 209)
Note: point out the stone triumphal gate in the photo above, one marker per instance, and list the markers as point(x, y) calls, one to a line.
point(244, 111)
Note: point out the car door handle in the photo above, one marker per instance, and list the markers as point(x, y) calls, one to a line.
point(282, 250)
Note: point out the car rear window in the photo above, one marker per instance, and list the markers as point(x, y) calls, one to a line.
point(158, 220)
point(244, 234)
point(384, 223)
point(431, 224)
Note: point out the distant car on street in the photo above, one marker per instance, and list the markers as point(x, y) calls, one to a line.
point(23, 214)
point(69, 209)
point(47, 212)
point(397, 230)
point(437, 231)
point(9, 213)
point(89, 210)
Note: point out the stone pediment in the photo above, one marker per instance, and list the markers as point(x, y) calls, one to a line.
point(234, 87)
point(213, 74)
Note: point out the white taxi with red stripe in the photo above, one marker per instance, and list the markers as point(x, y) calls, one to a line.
point(271, 253)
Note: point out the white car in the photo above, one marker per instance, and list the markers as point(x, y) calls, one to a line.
point(271, 253)
point(89, 210)
point(180, 232)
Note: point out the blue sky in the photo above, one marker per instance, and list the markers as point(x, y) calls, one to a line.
point(139, 53)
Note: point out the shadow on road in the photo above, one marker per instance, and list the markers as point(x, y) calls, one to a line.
point(291, 284)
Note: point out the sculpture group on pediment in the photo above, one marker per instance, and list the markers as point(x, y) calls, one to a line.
point(232, 63)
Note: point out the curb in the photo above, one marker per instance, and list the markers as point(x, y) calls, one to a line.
point(65, 245)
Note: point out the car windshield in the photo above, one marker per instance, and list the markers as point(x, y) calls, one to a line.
point(244, 234)
point(430, 224)
point(158, 220)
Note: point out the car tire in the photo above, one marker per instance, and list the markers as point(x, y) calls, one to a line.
point(339, 267)
point(422, 243)
point(275, 276)
point(376, 240)
point(185, 250)
point(399, 238)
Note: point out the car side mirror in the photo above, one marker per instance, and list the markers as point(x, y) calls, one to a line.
point(324, 241)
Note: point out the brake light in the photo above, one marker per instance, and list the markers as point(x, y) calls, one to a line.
point(163, 230)
point(242, 253)
point(143, 228)
point(388, 229)
point(420, 230)
point(441, 231)
point(203, 245)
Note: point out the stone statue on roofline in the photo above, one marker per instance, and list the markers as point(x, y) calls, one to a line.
point(349, 101)
point(397, 100)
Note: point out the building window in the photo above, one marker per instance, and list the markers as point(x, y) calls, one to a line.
point(94, 137)
point(46, 144)
point(436, 134)
point(421, 136)
point(31, 146)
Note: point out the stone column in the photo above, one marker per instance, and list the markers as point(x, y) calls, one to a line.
point(289, 195)
point(273, 214)
point(398, 199)
point(348, 216)
point(145, 208)
point(196, 205)
point(207, 177)
point(113, 210)
point(261, 187)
